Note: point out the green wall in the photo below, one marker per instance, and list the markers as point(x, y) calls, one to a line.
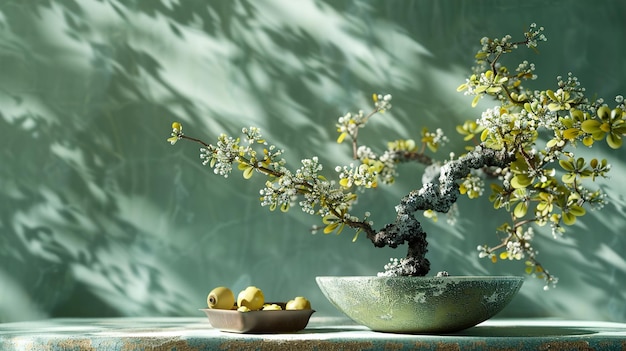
point(100, 216)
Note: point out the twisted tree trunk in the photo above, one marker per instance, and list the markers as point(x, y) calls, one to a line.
point(437, 195)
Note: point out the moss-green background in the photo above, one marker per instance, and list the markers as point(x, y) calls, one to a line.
point(99, 216)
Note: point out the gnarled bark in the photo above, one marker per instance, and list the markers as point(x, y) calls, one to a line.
point(437, 195)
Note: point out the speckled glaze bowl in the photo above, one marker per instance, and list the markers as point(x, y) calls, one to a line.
point(420, 304)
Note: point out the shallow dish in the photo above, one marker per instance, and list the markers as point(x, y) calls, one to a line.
point(267, 322)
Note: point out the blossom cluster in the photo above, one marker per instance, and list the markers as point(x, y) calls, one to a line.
point(473, 185)
point(349, 125)
point(280, 193)
point(363, 175)
point(534, 35)
point(517, 246)
point(434, 140)
point(382, 102)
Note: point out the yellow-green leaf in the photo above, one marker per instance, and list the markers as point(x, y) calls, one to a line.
point(571, 133)
point(604, 113)
point(577, 115)
point(553, 106)
point(566, 165)
point(520, 210)
point(528, 107)
point(619, 128)
point(431, 214)
point(481, 88)
point(247, 172)
point(484, 135)
point(614, 140)
point(329, 219)
point(568, 178)
point(462, 189)
point(172, 140)
point(520, 181)
point(497, 203)
point(605, 127)
point(475, 100)
point(480, 55)
point(616, 113)
point(330, 228)
point(590, 126)
point(599, 135)
point(341, 137)
point(341, 228)
point(577, 210)
point(569, 218)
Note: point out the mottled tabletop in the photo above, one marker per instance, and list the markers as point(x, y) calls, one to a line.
point(322, 333)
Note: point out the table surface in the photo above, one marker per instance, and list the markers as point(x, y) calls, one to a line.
point(322, 333)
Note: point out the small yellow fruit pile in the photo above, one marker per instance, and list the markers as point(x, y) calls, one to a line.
point(250, 299)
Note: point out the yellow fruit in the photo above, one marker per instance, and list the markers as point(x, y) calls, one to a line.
point(298, 303)
point(251, 297)
point(271, 307)
point(243, 309)
point(221, 298)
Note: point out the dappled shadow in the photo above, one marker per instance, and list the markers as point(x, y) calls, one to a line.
point(101, 217)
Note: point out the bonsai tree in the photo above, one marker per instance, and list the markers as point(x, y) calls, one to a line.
point(524, 146)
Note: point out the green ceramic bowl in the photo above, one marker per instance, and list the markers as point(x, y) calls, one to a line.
point(420, 304)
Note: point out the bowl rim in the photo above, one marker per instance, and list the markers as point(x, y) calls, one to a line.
point(450, 277)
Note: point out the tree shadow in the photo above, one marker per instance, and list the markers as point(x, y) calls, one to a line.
point(97, 207)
